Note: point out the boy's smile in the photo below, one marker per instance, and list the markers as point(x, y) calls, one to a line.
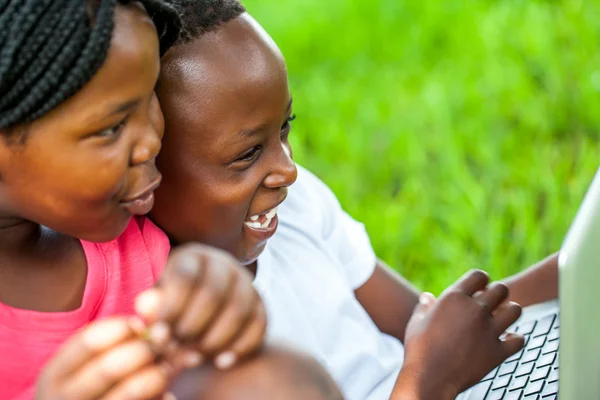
point(226, 159)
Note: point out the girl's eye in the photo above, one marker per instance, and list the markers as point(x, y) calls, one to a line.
point(250, 155)
point(112, 132)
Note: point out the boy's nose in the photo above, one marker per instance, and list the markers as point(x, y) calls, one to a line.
point(285, 172)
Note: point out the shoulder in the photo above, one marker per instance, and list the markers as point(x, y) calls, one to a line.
point(309, 197)
point(141, 243)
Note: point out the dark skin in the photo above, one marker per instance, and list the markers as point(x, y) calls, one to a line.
point(278, 374)
point(88, 156)
point(389, 299)
point(82, 172)
point(210, 189)
point(226, 157)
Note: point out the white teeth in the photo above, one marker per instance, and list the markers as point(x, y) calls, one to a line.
point(254, 224)
point(272, 213)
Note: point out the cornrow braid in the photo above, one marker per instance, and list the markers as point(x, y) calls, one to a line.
point(49, 49)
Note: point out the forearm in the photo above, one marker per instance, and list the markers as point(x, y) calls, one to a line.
point(389, 299)
point(536, 284)
point(407, 387)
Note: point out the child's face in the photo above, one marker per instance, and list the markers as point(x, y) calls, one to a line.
point(226, 155)
point(88, 165)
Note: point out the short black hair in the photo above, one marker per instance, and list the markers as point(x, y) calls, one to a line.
point(49, 49)
point(201, 16)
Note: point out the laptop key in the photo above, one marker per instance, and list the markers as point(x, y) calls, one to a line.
point(526, 328)
point(516, 395)
point(553, 376)
point(508, 368)
point(515, 356)
point(518, 383)
point(480, 390)
point(545, 360)
point(524, 369)
point(533, 388)
point(550, 389)
point(543, 326)
point(530, 356)
point(491, 375)
point(495, 395)
point(540, 373)
point(501, 382)
point(536, 343)
point(550, 347)
point(554, 334)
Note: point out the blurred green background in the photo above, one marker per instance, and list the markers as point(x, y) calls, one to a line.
point(463, 133)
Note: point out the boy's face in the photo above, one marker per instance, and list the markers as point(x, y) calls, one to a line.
point(226, 159)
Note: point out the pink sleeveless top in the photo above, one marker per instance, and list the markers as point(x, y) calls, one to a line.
point(117, 272)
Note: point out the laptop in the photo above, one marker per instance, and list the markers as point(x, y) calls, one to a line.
point(573, 321)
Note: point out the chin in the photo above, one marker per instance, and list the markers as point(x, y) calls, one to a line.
point(103, 234)
point(252, 255)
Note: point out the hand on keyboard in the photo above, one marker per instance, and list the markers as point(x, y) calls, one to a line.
point(453, 342)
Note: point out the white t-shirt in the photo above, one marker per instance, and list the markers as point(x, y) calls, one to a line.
point(307, 275)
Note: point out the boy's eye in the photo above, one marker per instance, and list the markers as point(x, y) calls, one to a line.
point(250, 154)
point(288, 122)
point(113, 131)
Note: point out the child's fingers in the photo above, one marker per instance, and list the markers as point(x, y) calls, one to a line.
point(206, 300)
point(149, 383)
point(232, 317)
point(183, 272)
point(506, 315)
point(471, 282)
point(248, 342)
point(99, 375)
point(511, 343)
point(493, 296)
point(78, 350)
point(426, 301)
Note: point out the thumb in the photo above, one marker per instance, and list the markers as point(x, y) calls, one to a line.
point(426, 302)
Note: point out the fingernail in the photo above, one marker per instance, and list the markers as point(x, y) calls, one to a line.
point(147, 303)
point(159, 334)
point(225, 360)
point(192, 359)
point(426, 298)
point(169, 396)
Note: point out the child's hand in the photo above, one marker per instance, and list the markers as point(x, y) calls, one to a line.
point(453, 342)
point(107, 360)
point(205, 300)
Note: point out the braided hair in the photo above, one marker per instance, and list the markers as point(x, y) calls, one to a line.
point(49, 49)
point(201, 16)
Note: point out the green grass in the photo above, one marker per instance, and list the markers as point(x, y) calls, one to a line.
point(463, 133)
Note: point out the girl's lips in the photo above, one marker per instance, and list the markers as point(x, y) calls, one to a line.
point(141, 205)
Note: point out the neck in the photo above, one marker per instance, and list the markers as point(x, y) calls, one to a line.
point(17, 232)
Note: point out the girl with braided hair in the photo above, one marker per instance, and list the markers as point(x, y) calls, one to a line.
point(80, 129)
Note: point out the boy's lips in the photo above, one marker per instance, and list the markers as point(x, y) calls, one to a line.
point(262, 226)
point(142, 202)
point(262, 233)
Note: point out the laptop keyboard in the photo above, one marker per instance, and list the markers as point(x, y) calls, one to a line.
point(532, 373)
